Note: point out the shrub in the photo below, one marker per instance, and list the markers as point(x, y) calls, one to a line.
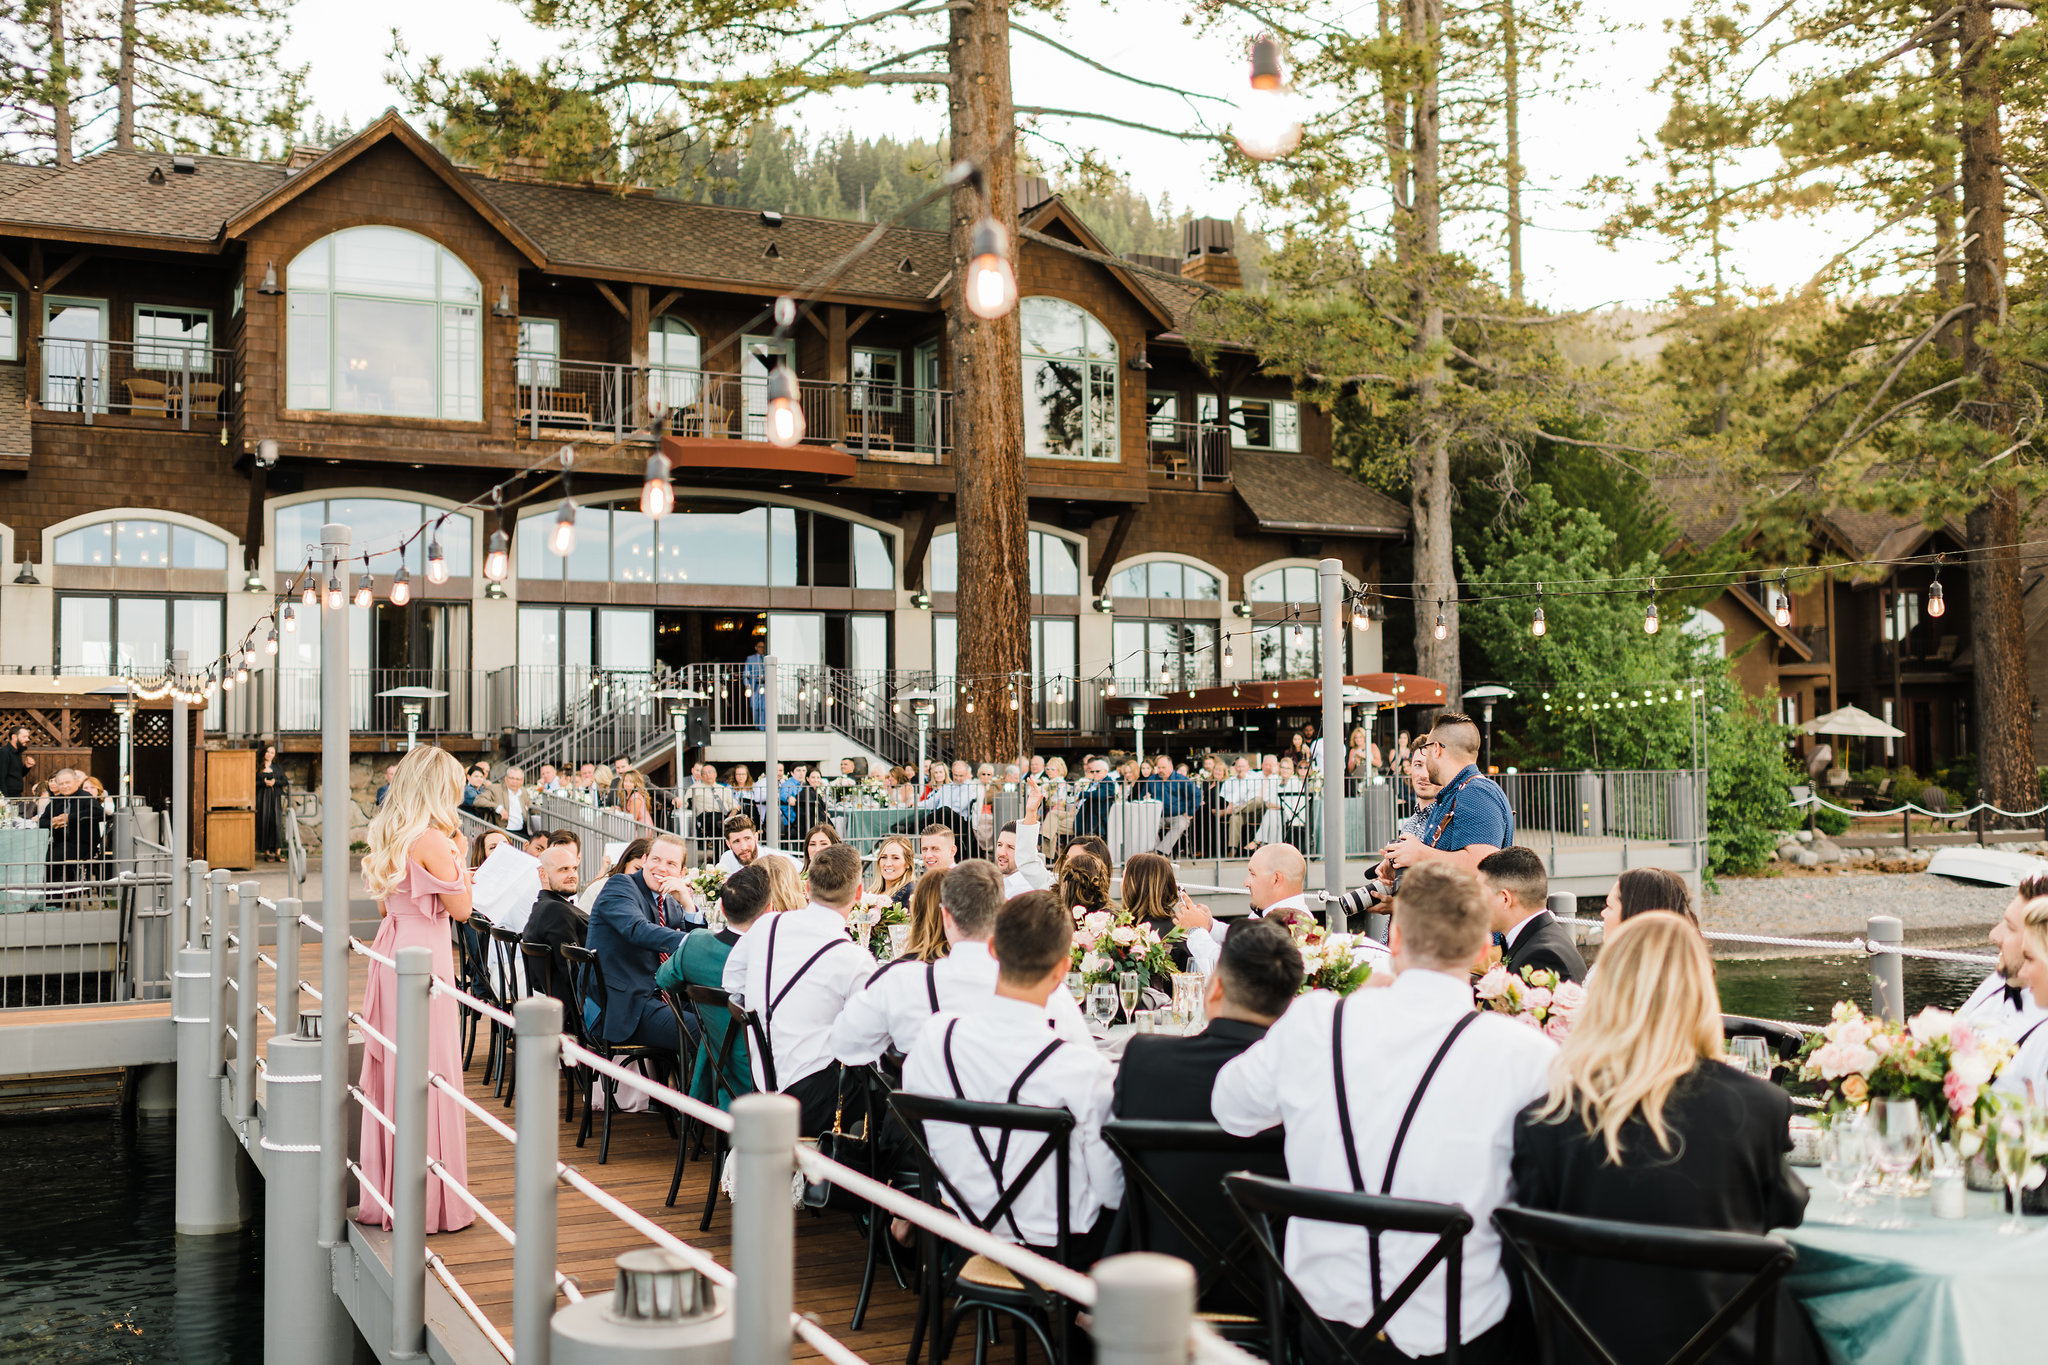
point(1831, 822)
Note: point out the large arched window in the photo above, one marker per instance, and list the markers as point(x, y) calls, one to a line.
point(139, 543)
point(384, 321)
point(1069, 382)
point(1275, 651)
point(1055, 572)
point(675, 356)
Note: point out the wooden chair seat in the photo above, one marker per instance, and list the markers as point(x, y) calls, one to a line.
point(986, 1273)
point(1227, 1319)
point(147, 398)
point(206, 399)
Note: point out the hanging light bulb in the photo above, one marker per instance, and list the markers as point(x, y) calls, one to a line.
point(311, 595)
point(1269, 120)
point(1361, 619)
point(401, 587)
point(1781, 609)
point(1537, 626)
point(1650, 621)
point(991, 283)
point(1441, 630)
point(1164, 676)
point(1013, 701)
point(366, 589)
point(657, 494)
point(785, 414)
point(497, 559)
point(291, 619)
point(335, 596)
point(970, 708)
point(1059, 695)
point(1228, 656)
point(437, 562)
point(1109, 688)
point(270, 642)
point(562, 539)
point(1300, 636)
point(227, 683)
point(242, 670)
point(1936, 606)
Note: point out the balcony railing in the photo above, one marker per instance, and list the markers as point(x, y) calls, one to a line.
point(173, 380)
point(287, 701)
point(1198, 452)
point(871, 420)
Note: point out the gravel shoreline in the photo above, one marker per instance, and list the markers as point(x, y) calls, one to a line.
point(1935, 910)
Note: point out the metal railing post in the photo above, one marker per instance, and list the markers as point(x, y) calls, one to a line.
point(287, 983)
point(334, 919)
point(1144, 1307)
point(1887, 970)
point(538, 1058)
point(92, 379)
point(771, 703)
point(410, 1101)
point(217, 953)
point(206, 1196)
point(763, 1246)
point(195, 904)
point(245, 999)
point(1331, 574)
point(185, 390)
point(176, 835)
point(303, 1320)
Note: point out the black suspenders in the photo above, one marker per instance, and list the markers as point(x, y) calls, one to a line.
point(768, 979)
point(995, 1160)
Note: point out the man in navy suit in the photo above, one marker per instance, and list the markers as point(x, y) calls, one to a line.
point(635, 924)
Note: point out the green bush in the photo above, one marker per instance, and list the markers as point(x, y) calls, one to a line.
point(1831, 822)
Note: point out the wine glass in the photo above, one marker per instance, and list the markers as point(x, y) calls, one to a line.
point(1127, 991)
point(1844, 1153)
point(1102, 1002)
point(1900, 1134)
point(1752, 1054)
point(1077, 986)
point(2014, 1142)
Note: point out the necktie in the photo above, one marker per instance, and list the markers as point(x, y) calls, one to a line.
point(2015, 997)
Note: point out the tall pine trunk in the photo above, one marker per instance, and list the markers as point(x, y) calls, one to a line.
point(1511, 96)
point(124, 82)
point(1998, 637)
point(1436, 587)
point(993, 602)
point(60, 85)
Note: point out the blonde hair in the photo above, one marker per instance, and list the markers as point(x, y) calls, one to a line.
point(785, 888)
point(1649, 1018)
point(882, 888)
point(2034, 923)
point(426, 787)
point(927, 940)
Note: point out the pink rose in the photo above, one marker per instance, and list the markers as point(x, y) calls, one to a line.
point(1568, 997)
point(1556, 1027)
point(1537, 998)
point(1494, 984)
point(1529, 1019)
point(1961, 1094)
point(1123, 934)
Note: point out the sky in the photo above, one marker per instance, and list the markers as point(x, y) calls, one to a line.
point(1596, 131)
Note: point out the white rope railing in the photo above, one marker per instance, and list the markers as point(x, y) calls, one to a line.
point(356, 945)
point(1868, 946)
point(266, 959)
point(1816, 799)
point(461, 1296)
point(646, 1085)
point(370, 1032)
point(439, 987)
point(475, 1110)
point(308, 922)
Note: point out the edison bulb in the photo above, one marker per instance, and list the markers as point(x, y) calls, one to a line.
point(497, 559)
point(562, 539)
point(401, 588)
point(991, 283)
point(437, 563)
point(1537, 626)
point(657, 494)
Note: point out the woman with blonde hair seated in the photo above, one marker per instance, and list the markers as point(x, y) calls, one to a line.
point(785, 887)
point(895, 856)
point(1645, 1123)
point(927, 941)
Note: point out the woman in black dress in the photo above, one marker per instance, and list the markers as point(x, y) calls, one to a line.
point(272, 790)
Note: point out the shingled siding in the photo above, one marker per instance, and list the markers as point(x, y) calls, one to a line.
point(76, 469)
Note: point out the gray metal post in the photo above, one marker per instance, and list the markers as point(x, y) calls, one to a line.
point(245, 1000)
point(206, 1198)
point(764, 1245)
point(539, 1030)
point(177, 838)
point(1144, 1305)
point(219, 924)
point(1331, 574)
point(287, 983)
point(334, 986)
point(1887, 970)
point(126, 710)
point(771, 809)
point(409, 1155)
point(195, 904)
point(304, 1323)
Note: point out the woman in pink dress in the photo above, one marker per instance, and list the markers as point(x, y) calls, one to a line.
point(414, 869)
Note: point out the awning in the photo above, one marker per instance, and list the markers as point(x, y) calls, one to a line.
point(1292, 694)
point(1302, 494)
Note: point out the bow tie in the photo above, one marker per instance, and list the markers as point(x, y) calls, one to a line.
point(1500, 941)
point(2015, 997)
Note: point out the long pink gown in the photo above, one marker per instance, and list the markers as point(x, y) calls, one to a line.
point(413, 917)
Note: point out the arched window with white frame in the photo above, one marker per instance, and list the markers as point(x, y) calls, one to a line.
point(384, 321)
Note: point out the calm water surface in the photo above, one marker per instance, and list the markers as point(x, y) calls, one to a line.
point(1801, 990)
point(90, 1269)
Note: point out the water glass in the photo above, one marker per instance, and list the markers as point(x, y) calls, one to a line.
point(1102, 1002)
point(1844, 1158)
point(1127, 989)
point(2016, 1142)
point(1077, 986)
point(1752, 1054)
point(1900, 1135)
point(899, 939)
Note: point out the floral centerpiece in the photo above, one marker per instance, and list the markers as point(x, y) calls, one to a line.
point(707, 882)
point(1944, 1065)
point(886, 912)
point(1107, 945)
point(1329, 962)
point(1536, 996)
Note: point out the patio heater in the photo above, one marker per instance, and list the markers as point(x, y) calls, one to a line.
point(414, 700)
point(124, 709)
point(1486, 696)
point(923, 702)
point(679, 700)
point(1141, 703)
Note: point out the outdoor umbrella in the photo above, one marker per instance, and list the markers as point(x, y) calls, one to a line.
point(1852, 720)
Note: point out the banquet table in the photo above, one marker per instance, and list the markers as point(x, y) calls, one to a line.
point(1941, 1292)
point(863, 827)
point(24, 867)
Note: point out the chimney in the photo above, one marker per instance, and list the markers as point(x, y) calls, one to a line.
point(1168, 264)
point(1210, 255)
point(303, 156)
point(529, 169)
point(1032, 190)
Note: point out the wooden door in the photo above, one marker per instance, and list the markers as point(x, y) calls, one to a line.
point(231, 838)
point(55, 759)
point(231, 779)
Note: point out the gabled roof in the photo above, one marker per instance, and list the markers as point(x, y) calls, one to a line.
point(109, 198)
point(388, 127)
point(1054, 213)
point(1301, 493)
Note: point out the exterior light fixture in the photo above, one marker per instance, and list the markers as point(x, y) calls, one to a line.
point(366, 589)
point(498, 558)
point(253, 583)
point(1269, 123)
point(1781, 610)
point(1936, 605)
point(991, 283)
point(401, 587)
point(1440, 630)
point(562, 539)
point(657, 494)
point(311, 595)
point(290, 619)
point(785, 416)
point(335, 596)
point(437, 562)
point(1104, 604)
point(921, 599)
point(270, 284)
point(1650, 621)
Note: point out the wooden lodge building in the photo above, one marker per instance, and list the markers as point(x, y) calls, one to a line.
point(407, 331)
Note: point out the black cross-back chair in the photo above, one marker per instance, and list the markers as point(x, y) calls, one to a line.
point(1219, 1265)
point(976, 1284)
point(727, 1082)
point(740, 1023)
point(586, 983)
point(1783, 1040)
point(542, 969)
point(1531, 1236)
point(505, 956)
point(1260, 1199)
point(473, 937)
point(877, 1087)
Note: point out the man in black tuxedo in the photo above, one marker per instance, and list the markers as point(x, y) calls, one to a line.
point(555, 920)
point(1166, 1077)
point(1517, 888)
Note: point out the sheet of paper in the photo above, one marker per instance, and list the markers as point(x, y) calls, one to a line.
point(506, 885)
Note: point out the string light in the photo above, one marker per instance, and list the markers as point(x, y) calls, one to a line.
point(1650, 622)
point(991, 283)
point(291, 619)
point(401, 587)
point(334, 593)
point(242, 670)
point(1228, 657)
point(1782, 610)
point(1269, 124)
point(785, 416)
point(657, 494)
point(498, 558)
point(1441, 630)
point(366, 588)
point(1936, 605)
point(1301, 637)
point(270, 641)
point(562, 539)
point(311, 596)
point(437, 562)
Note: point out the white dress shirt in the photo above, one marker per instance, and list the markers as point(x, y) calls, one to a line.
point(963, 798)
point(800, 1030)
point(514, 811)
point(728, 864)
point(1989, 1010)
point(1456, 1153)
point(1205, 948)
point(2026, 1075)
point(1032, 874)
point(892, 1009)
point(990, 1049)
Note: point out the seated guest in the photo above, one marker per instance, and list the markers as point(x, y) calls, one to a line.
point(1094, 845)
point(2026, 1075)
point(537, 841)
point(639, 919)
point(1005, 1054)
point(926, 941)
point(1164, 1077)
point(937, 848)
point(2001, 1004)
point(785, 885)
point(1018, 856)
point(555, 918)
point(743, 844)
point(1274, 878)
point(893, 857)
point(1455, 1132)
point(1641, 890)
point(898, 999)
point(1084, 885)
point(796, 973)
point(1180, 801)
point(628, 861)
point(1517, 890)
point(1644, 1124)
point(824, 834)
point(1152, 898)
point(701, 962)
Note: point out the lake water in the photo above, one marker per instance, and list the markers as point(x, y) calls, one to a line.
point(1802, 990)
point(91, 1270)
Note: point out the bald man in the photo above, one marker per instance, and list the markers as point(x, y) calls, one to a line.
point(1273, 882)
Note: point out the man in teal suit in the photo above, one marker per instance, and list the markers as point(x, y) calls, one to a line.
point(701, 962)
